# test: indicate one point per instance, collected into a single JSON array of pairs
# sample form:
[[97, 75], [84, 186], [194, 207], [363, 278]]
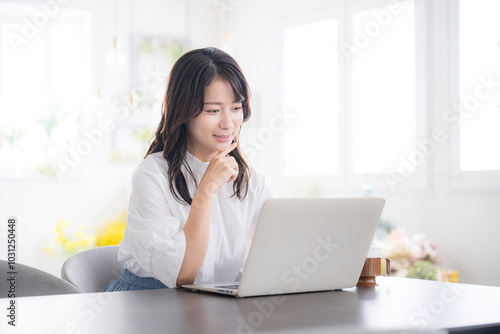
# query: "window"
[[311, 77], [349, 80], [44, 86], [473, 115], [479, 50], [383, 85]]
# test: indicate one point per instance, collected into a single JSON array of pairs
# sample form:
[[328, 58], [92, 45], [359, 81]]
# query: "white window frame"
[[346, 180], [319, 14], [418, 180], [457, 178]]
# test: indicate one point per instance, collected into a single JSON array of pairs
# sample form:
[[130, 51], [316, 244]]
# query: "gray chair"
[[93, 269], [29, 281]]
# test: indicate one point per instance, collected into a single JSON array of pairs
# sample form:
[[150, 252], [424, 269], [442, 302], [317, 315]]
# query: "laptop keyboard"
[[232, 286]]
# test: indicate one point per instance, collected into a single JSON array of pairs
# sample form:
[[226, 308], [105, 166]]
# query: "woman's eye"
[[238, 108], [212, 111]]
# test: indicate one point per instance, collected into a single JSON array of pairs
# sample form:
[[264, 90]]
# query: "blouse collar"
[[196, 164]]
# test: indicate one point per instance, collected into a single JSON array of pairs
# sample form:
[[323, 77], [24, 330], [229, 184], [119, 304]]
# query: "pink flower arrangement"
[[414, 256]]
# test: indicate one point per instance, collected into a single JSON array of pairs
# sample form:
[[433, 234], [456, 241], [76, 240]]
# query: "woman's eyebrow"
[[220, 103]]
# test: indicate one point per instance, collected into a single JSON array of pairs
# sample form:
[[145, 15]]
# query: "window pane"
[[23, 76], [311, 140], [383, 114], [479, 96], [44, 85]]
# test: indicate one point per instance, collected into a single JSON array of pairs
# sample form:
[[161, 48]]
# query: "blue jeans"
[[129, 282]]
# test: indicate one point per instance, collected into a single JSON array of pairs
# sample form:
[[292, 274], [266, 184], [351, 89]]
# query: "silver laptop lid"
[[309, 244]]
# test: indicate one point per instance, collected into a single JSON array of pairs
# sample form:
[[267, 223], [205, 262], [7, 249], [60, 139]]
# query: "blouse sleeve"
[[155, 239]]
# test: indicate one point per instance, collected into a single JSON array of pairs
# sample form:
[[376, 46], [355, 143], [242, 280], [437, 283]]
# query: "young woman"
[[195, 200]]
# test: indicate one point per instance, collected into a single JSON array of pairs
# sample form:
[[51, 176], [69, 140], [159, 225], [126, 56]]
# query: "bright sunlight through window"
[[479, 92], [311, 77], [44, 82], [383, 83]]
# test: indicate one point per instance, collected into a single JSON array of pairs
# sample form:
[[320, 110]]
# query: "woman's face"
[[215, 128]]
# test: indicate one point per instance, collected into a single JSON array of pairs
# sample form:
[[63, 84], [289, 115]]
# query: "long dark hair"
[[184, 100]]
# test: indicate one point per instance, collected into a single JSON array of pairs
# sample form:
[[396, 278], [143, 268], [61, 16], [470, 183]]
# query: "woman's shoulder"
[[258, 188], [154, 165], [256, 176], [257, 181]]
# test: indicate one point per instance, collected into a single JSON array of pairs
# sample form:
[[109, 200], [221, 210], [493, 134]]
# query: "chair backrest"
[[93, 269], [29, 281]]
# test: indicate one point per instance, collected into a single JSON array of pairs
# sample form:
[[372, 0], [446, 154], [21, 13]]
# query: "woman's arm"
[[197, 233], [221, 170]]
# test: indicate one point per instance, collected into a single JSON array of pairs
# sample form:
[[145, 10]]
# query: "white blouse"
[[154, 242]]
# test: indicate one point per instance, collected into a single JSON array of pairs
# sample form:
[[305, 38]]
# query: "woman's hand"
[[222, 169]]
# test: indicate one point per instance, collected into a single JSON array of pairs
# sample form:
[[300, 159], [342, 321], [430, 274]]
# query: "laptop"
[[305, 245]]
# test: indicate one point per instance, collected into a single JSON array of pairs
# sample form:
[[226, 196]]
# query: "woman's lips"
[[223, 138]]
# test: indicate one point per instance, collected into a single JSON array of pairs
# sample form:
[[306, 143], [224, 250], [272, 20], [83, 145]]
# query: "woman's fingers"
[[234, 171], [223, 155], [226, 151], [221, 170]]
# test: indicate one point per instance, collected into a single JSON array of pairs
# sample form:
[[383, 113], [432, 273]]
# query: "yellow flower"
[[449, 275], [49, 251], [454, 276], [71, 243], [113, 232]]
